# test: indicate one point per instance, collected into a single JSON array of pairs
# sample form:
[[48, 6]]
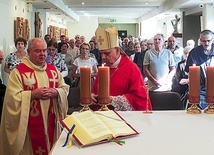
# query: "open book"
[[98, 126]]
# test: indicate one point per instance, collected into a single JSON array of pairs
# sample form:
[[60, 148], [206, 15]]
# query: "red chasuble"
[[36, 124], [127, 80]]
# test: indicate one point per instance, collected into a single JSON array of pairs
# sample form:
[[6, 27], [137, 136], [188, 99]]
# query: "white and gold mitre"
[[108, 38]]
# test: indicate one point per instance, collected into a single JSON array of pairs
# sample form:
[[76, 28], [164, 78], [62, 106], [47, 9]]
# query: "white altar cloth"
[[161, 133]]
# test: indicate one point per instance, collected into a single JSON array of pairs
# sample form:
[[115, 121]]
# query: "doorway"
[[122, 34]]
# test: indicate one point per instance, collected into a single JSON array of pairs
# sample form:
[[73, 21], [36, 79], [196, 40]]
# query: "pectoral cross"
[[100, 40], [40, 151], [54, 80]]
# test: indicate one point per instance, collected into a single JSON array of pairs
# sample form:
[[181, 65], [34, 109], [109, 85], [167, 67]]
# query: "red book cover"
[[110, 124]]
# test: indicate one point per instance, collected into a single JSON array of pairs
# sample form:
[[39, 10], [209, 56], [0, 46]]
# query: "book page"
[[117, 126], [89, 128]]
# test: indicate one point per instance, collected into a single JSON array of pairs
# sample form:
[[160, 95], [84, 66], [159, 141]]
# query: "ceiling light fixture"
[[83, 3], [146, 3]]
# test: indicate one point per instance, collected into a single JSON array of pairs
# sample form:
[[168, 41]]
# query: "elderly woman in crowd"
[[180, 80], [15, 58], [56, 59]]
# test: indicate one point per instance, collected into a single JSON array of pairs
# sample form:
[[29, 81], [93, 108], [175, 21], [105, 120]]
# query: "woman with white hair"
[[191, 43], [180, 80]]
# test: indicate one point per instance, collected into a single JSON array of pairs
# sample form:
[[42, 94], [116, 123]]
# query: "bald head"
[[37, 51]]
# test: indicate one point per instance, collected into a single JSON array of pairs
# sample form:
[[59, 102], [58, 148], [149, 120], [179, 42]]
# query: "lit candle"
[[210, 84], [85, 84], [103, 92], [194, 84]]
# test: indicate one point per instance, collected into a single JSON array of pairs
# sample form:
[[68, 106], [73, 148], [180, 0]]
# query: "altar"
[[161, 133]]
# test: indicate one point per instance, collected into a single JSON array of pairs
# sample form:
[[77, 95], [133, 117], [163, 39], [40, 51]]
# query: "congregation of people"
[[41, 76], [165, 65], [161, 61]]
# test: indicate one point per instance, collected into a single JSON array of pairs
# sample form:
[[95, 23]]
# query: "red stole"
[[36, 124]]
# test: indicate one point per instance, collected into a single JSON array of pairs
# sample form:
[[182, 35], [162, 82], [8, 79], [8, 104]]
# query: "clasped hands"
[[44, 93]]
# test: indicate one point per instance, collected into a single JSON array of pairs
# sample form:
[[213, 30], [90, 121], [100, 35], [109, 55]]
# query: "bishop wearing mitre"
[[127, 88]]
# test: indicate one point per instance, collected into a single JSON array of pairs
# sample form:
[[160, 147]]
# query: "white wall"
[[86, 26], [151, 27], [148, 29], [55, 21], [208, 18], [9, 10]]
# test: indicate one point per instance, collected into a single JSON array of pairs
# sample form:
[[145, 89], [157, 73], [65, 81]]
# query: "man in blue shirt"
[[202, 56]]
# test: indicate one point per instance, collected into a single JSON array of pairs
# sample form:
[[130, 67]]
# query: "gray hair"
[[32, 40], [206, 32], [160, 34]]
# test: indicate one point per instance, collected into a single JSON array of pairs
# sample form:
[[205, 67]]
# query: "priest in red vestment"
[[35, 100], [127, 88]]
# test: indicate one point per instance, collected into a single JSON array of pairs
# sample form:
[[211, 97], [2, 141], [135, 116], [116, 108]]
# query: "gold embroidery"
[[29, 80], [54, 80], [34, 111], [40, 150], [100, 40]]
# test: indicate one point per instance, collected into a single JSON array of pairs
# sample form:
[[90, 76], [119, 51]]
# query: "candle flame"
[[103, 64], [194, 65]]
